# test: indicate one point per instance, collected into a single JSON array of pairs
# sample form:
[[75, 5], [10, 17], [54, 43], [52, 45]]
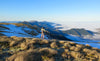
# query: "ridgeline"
[[35, 49]]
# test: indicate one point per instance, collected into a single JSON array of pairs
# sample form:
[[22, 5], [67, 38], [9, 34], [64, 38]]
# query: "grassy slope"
[[53, 50]]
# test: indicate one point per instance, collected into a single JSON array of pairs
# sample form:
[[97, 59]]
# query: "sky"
[[60, 11]]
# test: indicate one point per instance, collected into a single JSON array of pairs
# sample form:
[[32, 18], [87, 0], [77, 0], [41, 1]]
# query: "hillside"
[[35, 49], [83, 33], [79, 32], [30, 29]]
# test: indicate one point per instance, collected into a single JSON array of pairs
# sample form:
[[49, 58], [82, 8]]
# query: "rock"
[[86, 50], [77, 49], [0, 49], [64, 55], [5, 39], [25, 56], [32, 42], [80, 46], [61, 50], [28, 39], [66, 50], [87, 45], [53, 40], [37, 39], [53, 45], [4, 44], [46, 58], [72, 48], [13, 43], [95, 48], [1, 59], [65, 47], [93, 52], [13, 37], [33, 49], [45, 42], [51, 59], [76, 54], [24, 45], [72, 43], [48, 51], [18, 38], [66, 44], [62, 42]]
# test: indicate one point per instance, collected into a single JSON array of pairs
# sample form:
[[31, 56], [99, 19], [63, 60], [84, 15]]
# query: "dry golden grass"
[[5, 23], [21, 24]]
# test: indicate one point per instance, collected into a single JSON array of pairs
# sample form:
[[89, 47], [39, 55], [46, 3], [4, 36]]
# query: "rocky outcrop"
[[28, 55], [35, 49]]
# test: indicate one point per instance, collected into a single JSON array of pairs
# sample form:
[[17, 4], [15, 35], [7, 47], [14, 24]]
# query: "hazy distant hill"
[[79, 32]]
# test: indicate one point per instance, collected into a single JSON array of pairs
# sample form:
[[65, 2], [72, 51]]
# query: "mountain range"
[[30, 29]]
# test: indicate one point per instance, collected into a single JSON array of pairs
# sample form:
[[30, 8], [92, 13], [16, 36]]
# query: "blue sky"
[[50, 10]]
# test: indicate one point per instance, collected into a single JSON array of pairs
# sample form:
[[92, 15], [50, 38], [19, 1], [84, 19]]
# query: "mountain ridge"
[[30, 29]]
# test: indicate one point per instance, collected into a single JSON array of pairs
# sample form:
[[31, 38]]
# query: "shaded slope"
[[31, 29], [79, 32]]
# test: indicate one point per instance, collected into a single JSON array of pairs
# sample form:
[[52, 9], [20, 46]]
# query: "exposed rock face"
[[48, 51], [79, 32], [24, 45], [13, 43], [25, 56], [34, 49], [18, 38], [53, 45]]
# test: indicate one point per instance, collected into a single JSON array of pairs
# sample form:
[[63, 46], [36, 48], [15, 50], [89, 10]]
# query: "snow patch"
[[93, 43], [16, 31]]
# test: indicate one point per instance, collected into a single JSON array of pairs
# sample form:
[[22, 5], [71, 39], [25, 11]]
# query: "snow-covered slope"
[[14, 30], [29, 30], [32, 29], [93, 43]]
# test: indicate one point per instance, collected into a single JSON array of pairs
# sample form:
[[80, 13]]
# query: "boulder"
[[72, 43], [66, 44], [78, 49], [25, 56], [24, 45], [53, 45], [37, 39], [1, 59], [76, 54], [13, 43], [28, 39], [86, 50], [87, 45], [66, 50], [72, 48], [18, 38], [61, 50], [48, 51], [5, 39], [51, 59], [45, 42], [62, 42]]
